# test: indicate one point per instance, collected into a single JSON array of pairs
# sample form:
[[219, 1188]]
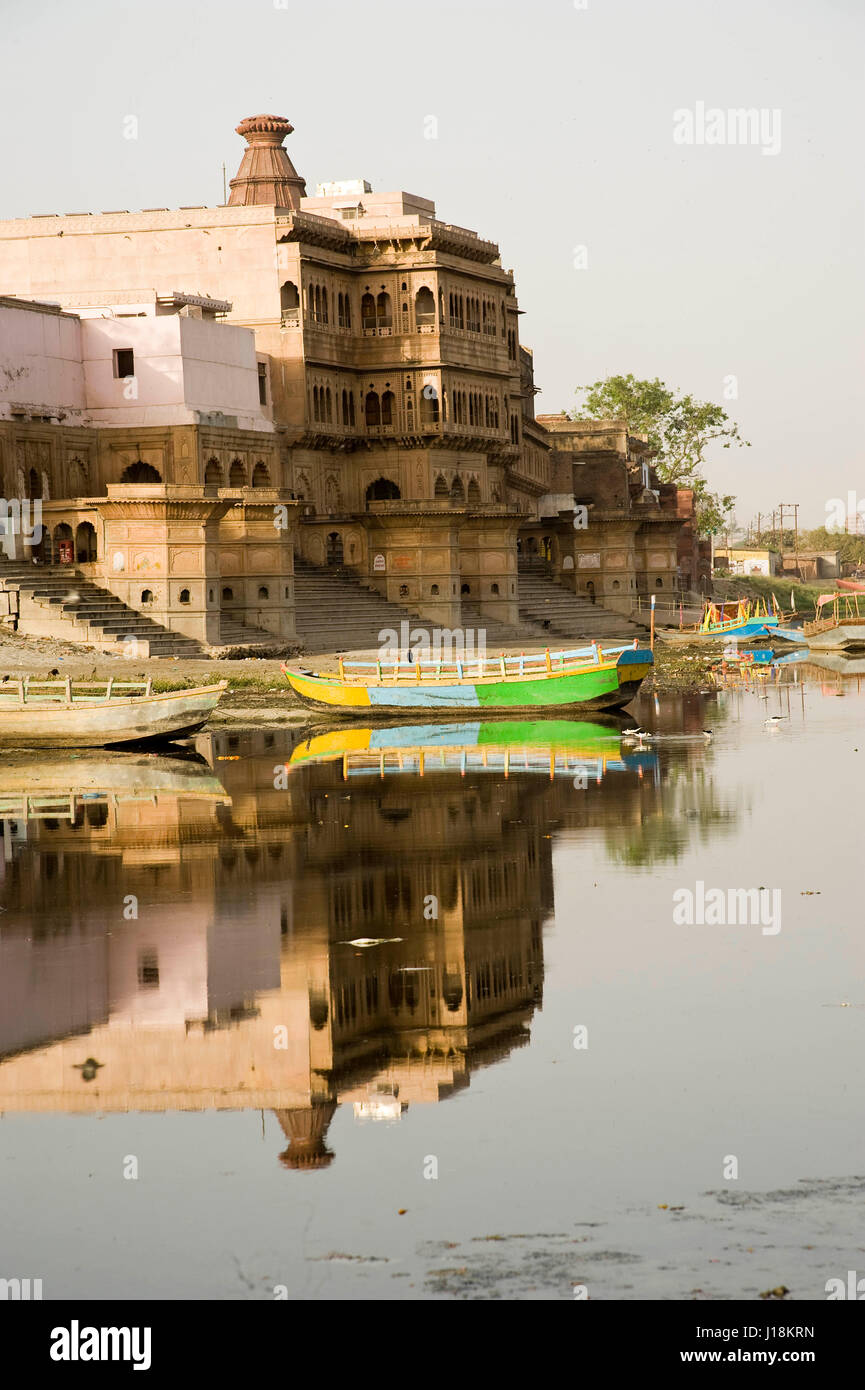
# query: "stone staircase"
[[334, 612], [58, 601], [558, 614]]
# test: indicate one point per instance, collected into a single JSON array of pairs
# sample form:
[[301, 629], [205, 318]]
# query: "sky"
[[732, 270]]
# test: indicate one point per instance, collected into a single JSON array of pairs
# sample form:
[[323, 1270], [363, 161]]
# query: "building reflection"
[[224, 934]]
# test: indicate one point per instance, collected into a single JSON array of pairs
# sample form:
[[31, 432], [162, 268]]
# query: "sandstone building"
[[393, 420]]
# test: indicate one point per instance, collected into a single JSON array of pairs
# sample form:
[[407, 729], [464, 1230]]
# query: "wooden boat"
[[587, 678], [732, 620], [550, 748], [87, 714], [843, 629]]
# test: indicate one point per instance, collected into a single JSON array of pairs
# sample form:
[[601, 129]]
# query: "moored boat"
[[841, 629], [730, 620], [87, 714], [588, 678]]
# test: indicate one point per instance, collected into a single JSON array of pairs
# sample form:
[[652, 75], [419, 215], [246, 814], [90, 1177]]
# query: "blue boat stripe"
[[425, 697]]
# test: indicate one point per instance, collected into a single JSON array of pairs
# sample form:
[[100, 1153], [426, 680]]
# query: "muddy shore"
[[257, 684]]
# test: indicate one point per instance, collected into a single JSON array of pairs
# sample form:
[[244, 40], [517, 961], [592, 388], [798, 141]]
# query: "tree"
[[679, 430]]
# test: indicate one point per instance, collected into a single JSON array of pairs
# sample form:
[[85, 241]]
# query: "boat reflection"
[[223, 934], [552, 747]]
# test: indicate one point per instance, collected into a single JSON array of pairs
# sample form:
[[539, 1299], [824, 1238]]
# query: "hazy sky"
[[555, 131]]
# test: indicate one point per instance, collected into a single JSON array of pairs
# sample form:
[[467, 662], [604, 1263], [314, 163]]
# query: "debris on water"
[[367, 941], [781, 1292]]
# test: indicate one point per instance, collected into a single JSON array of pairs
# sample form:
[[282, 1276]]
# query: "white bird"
[[775, 718]]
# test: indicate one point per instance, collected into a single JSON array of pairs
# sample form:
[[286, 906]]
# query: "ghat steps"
[[58, 601], [561, 615]]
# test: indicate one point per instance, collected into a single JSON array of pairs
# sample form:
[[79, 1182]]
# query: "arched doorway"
[[213, 474], [63, 549], [140, 472], [85, 544], [382, 490], [260, 476], [334, 551]]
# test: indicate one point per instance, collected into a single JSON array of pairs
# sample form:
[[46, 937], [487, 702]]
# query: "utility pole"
[[794, 508], [224, 189]]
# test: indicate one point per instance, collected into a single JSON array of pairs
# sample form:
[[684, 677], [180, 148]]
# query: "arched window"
[[474, 492], [351, 419], [429, 405], [384, 313], [424, 307], [213, 474], [184, 596], [237, 475], [457, 490], [434, 588], [77, 478], [494, 589], [34, 485], [367, 313], [325, 318], [289, 300], [441, 487], [383, 490], [146, 597], [140, 472], [373, 409], [260, 476], [387, 403], [85, 544], [227, 595], [328, 406], [334, 550], [264, 593]]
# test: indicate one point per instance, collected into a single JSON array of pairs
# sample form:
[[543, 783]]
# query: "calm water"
[[323, 998]]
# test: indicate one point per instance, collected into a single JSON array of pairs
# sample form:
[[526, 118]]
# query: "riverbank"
[[257, 685]]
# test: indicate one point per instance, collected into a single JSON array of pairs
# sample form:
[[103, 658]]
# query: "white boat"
[[87, 714], [843, 631]]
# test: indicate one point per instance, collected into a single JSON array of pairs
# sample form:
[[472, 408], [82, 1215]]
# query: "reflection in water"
[[353, 919]]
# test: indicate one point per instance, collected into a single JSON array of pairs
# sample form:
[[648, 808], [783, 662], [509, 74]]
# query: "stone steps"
[[77, 610], [335, 612], [564, 615]]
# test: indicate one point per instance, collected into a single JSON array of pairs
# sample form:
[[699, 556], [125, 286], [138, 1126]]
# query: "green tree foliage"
[[679, 430]]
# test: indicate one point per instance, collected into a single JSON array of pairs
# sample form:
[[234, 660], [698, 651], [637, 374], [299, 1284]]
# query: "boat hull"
[[844, 638], [106, 724], [606, 686], [742, 632]]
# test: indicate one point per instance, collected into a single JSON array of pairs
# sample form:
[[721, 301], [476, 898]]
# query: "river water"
[[442, 1012]]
